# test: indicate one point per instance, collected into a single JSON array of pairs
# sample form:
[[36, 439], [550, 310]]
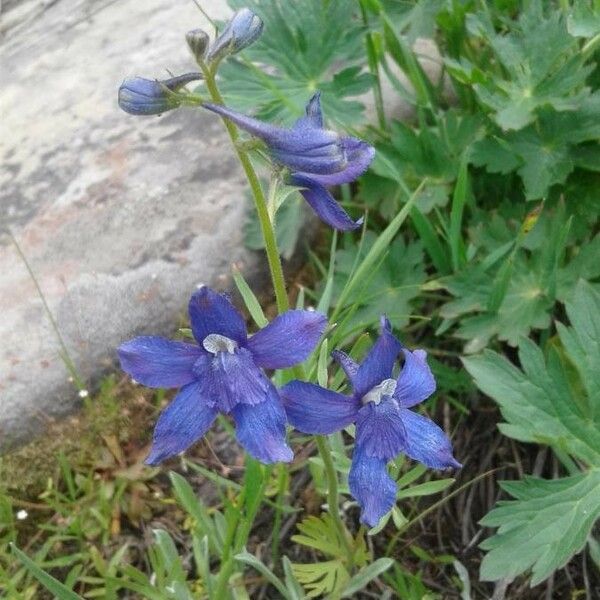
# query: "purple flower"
[[222, 373], [317, 157], [243, 29], [139, 96], [385, 426]]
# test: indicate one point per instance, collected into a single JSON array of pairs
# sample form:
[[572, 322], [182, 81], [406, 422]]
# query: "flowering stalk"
[[260, 202], [281, 297]]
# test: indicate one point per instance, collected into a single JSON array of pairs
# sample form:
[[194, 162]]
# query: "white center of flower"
[[215, 343], [386, 388]]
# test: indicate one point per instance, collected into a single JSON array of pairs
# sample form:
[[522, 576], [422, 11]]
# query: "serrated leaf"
[[542, 63], [303, 44], [547, 523]]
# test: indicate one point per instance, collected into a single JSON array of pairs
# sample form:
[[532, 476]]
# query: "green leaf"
[[425, 489], [537, 403], [194, 506], [365, 576], [52, 585], [582, 341], [250, 300], [321, 534], [251, 560], [321, 579], [553, 399], [547, 523], [542, 63], [293, 586], [308, 46]]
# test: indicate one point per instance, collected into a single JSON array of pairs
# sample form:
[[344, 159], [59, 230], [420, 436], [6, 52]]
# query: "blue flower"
[[243, 29], [222, 374], [139, 96], [317, 157], [385, 425]]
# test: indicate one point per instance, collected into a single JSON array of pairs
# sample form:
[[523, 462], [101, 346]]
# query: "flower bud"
[[139, 96], [243, 29], [197, 40]]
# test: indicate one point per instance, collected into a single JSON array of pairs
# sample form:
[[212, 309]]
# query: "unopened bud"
[[243, 29], [197, 40], [139, 96]]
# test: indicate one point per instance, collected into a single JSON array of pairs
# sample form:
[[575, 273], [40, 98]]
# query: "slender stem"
[[282, 485], [227, 561], [260, 201], [333, 496], [64, 353]]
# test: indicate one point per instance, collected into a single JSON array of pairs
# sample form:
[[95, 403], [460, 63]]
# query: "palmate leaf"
[[543, 65], [329, 577], [306, 46], [546, 153], [541, 272], [543, 528], [322, 579], [554, 400]]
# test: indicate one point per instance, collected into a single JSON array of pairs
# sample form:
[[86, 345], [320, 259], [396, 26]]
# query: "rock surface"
[[119, 217]]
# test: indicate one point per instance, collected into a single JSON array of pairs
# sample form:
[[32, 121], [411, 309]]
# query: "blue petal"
[[416, 382], [426, 442], [379, 429], [297, 141], [313, 409], [349, 366], [288, 339], [158, 362], [371, 486], [321, 159], [184, 421], [260, 429], [379, 362], [323, 203], [231, 379], [211, 312], [314, 114], [359, 155]]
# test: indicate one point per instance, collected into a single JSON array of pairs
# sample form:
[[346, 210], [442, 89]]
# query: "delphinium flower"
[[140, 96], [317, 157], [222, 373], [385, 426]]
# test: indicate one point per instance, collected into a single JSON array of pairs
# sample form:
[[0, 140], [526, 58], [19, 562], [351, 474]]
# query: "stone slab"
[[119, 217]]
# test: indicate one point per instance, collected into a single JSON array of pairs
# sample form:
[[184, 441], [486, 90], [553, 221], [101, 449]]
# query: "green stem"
[[227, 561], [282, 485], [333, 496], [260, 201], [373, 68]]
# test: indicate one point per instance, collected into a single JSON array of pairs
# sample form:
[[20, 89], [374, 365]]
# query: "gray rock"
[[119, 217]]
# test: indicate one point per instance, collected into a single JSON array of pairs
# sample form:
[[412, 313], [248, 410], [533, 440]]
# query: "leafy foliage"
[[553, 400], [329, 577], [309, 46]]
